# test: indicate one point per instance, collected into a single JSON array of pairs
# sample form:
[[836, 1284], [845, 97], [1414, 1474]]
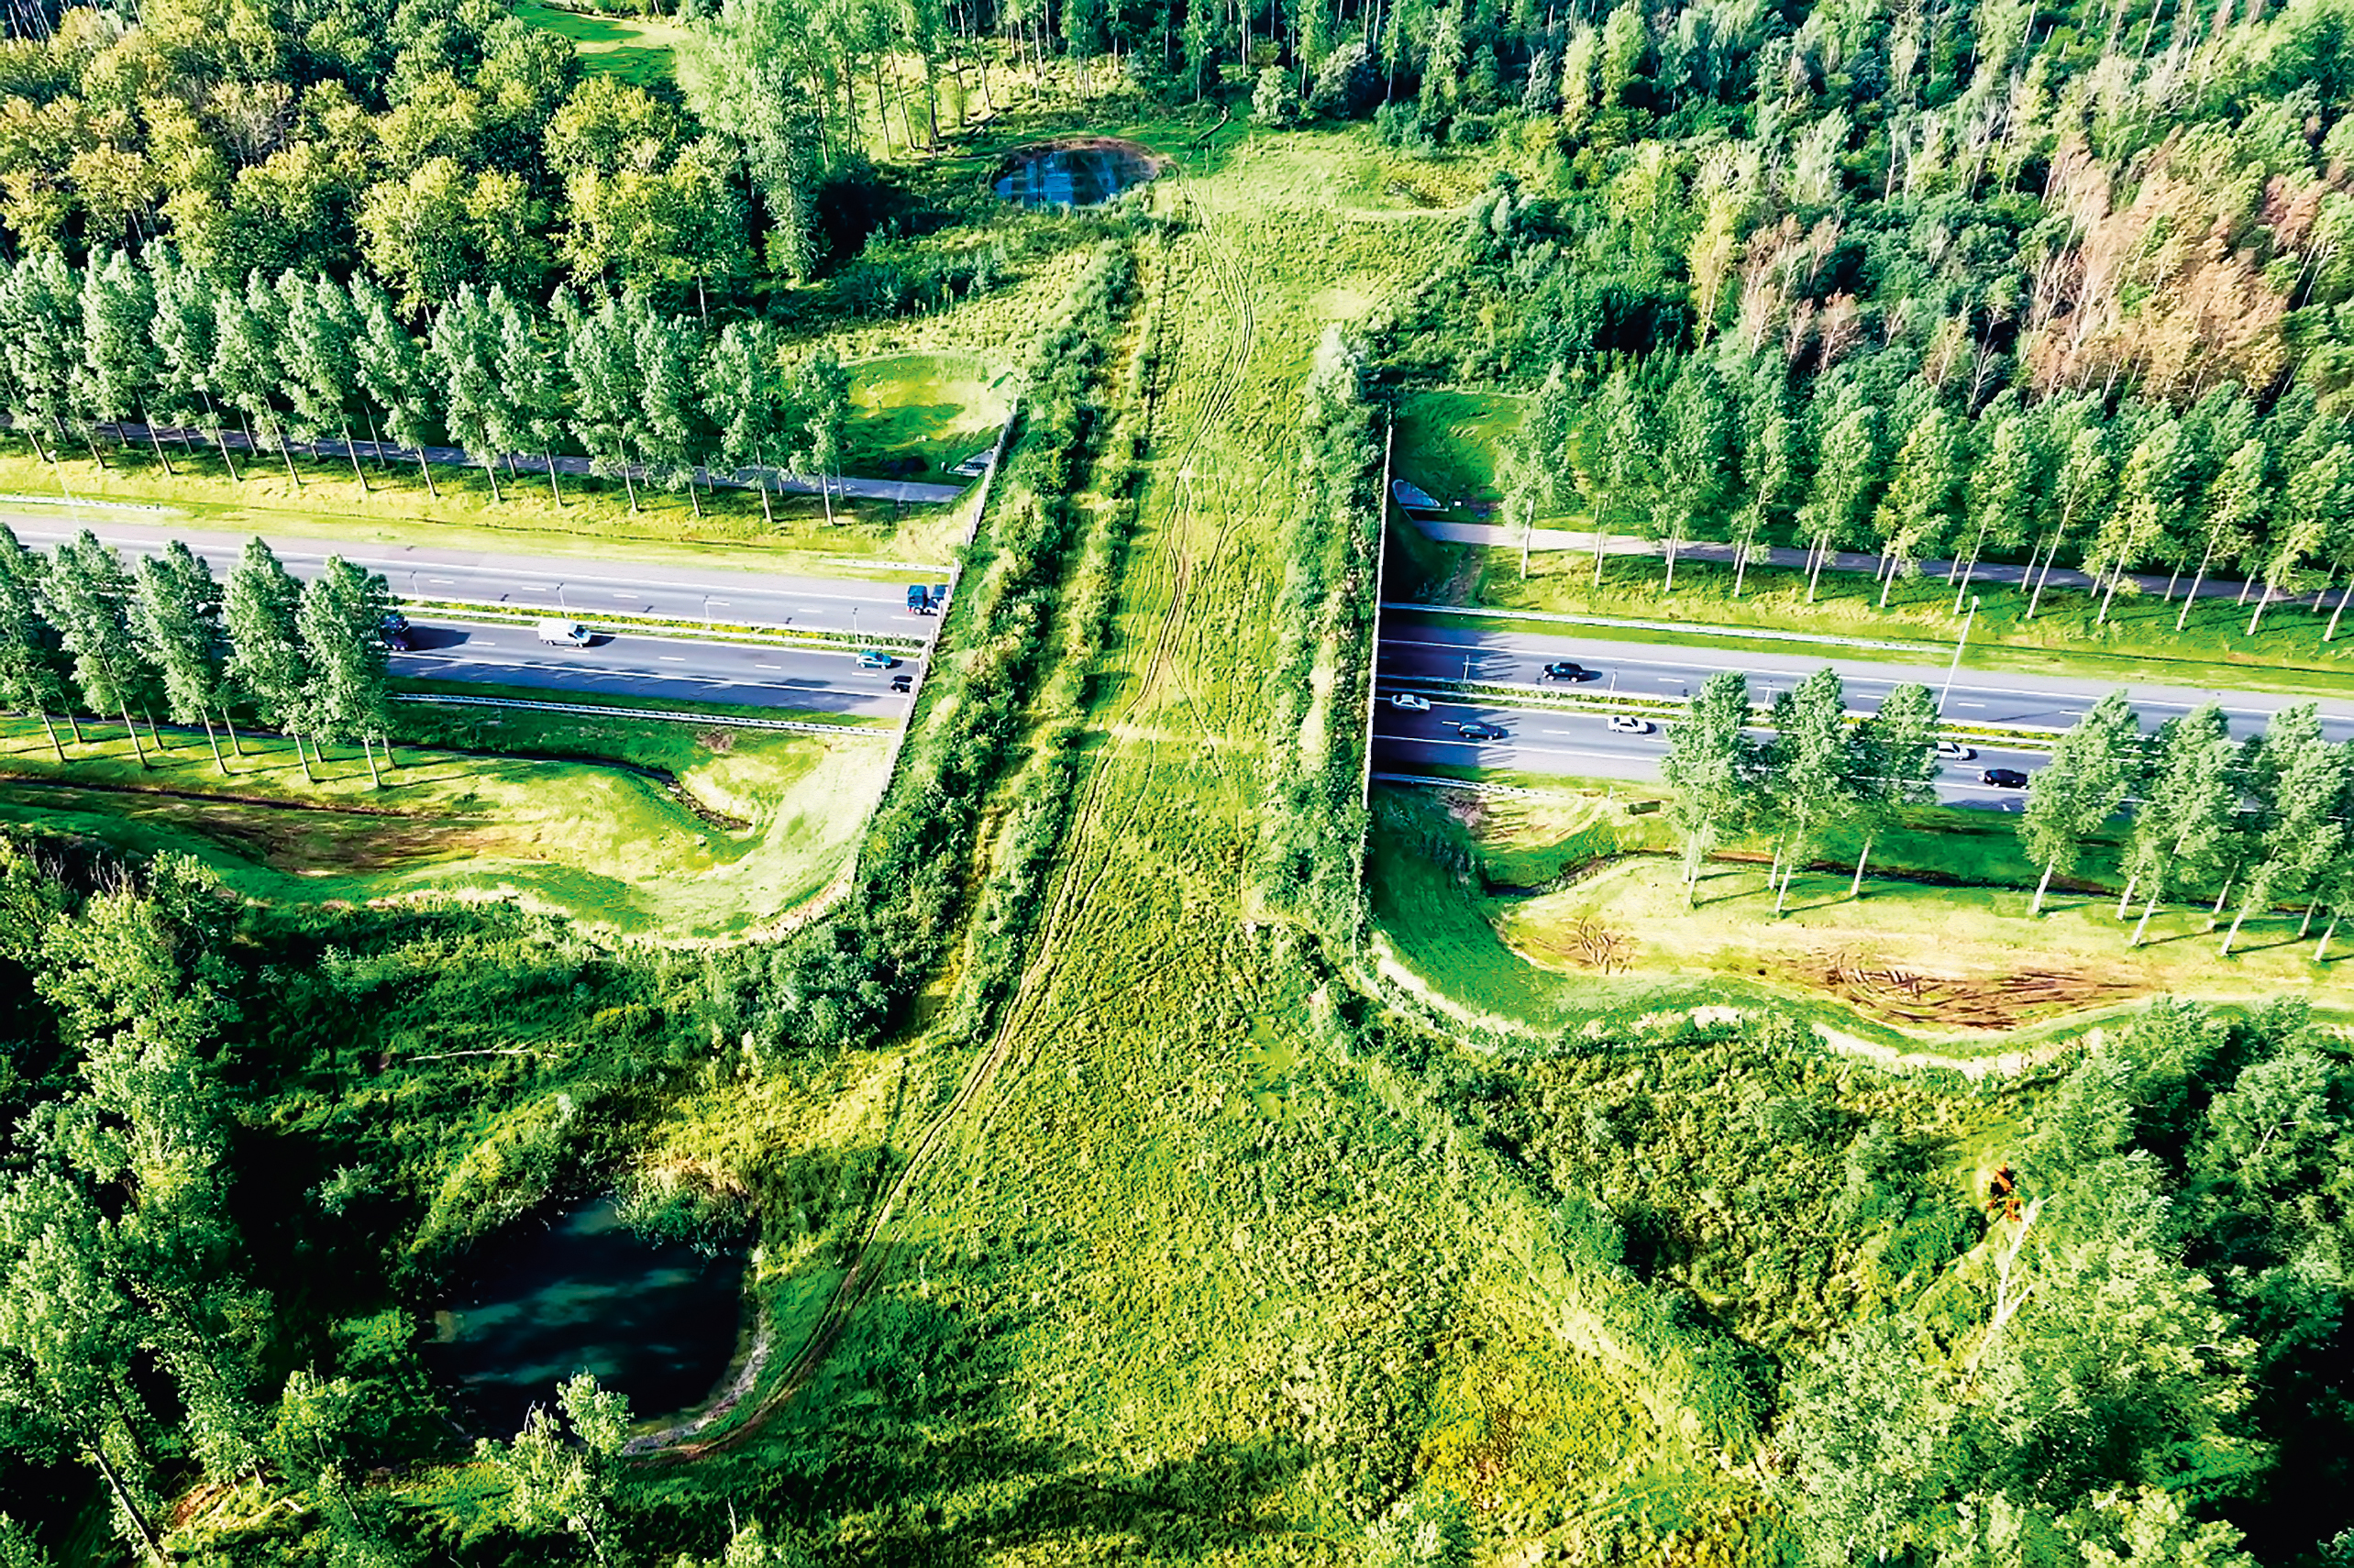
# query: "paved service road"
[[1415, 650], [584, 586], [652, 669]]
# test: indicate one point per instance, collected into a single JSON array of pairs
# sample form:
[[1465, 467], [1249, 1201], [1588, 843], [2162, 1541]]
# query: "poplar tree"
[[2149, 502], [2236, 500], [40, 318], [251, 373], [2092, 770], [819, 391], [87, 591], [32, 673], [1917, 513], [1894, 765], [669, 358], [740, 399], [2299, 780], [393, 372], [322, 357], [464, 346], [2185, 810], [1692, 459], [1769, 469], [1809, 770], [531, 376], [2312, 504], [1707, 766], [1847, 469], [339, 618], [186, 335], [1617, 475], [2079, 490], [175, 618], [601, 360], [121, 365], [2001, 488], [267, 662]]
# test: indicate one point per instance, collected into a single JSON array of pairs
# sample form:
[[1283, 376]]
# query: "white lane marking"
[[775, 667], [1970, 704], [671, 659], [715, 602], [441, 581]]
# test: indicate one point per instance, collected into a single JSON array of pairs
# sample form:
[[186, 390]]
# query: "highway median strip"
[[491, 613], [674, 715]]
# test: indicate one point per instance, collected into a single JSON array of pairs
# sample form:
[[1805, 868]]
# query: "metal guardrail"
[[675, 716]]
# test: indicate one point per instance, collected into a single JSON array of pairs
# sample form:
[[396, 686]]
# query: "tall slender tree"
[[2093, 769], [87, 591], [1709, 767], [175, 619], [2299, 781], [32, 668], [340, 620], [464, 346], [321, 357], [2236, 500], [267, 660], [393, 372], [188, 338], [2179, 829], [531, 374], [1894, 765], [121, 367], [740, 399], [1809, 770]]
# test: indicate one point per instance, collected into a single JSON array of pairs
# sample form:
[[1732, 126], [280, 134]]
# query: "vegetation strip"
[[674, 715]]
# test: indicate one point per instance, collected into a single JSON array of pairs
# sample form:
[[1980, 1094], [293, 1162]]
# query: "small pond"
[[655, 1321], [1074, 176]]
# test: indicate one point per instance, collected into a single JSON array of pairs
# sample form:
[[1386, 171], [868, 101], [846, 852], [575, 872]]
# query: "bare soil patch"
[[1903, 994]]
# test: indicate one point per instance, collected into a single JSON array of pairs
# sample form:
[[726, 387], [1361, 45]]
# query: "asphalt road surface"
[[653, 668], [583, 586], [1541, 740], [1582, 745]]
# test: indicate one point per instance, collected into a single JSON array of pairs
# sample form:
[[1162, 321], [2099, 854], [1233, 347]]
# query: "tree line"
[[81, 632], [303, 356], [1679, 451], [2265, 818]]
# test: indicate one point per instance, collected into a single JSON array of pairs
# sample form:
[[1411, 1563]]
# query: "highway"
[[1416, 650], [584, 586], [654, 669]]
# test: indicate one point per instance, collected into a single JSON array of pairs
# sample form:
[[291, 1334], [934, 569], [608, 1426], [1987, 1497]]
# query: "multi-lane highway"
[[1418, 650], [584, 586], [822, 680]]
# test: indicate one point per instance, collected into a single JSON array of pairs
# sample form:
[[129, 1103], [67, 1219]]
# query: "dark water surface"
[[1074, 176], [656, 1321]]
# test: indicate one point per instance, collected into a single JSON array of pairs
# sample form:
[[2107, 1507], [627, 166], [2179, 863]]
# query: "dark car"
[[1479, 732], [1563, 669], [396, 632], [903, 683], [2003, 779]]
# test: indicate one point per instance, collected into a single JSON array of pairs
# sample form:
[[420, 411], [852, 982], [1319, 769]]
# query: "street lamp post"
[[1954, 668]]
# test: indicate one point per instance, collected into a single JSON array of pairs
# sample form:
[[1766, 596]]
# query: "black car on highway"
[[1564, 670], [2003, 779], [396, 632], [1479, 731]]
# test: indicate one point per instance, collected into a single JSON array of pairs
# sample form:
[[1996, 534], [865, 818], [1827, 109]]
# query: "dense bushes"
[[843, 979]]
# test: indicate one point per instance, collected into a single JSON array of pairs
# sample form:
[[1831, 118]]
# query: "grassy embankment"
[[638, 50], [906, 409], [672, 828], [1448, 442], [1532, 910]]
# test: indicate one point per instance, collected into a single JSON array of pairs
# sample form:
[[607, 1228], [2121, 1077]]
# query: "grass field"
[[1529, 910], [1448, 441], [636, 48], [681, 829], [928, 409], [594, 519]]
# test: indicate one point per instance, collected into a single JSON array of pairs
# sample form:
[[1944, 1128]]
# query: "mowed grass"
[[1526, 910], [917, 416], [755, 823], [638, 50], [459, 512], [1448, 441]]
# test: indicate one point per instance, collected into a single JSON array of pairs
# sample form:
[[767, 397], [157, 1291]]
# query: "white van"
[[563, 633]]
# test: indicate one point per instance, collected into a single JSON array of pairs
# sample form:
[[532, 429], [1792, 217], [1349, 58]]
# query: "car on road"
[[919, 600], [2003, 779], [1564, 670], [396, 631], [562, 634], [1411, 704], [1625, 724], [874, 658], [1954, 751], [903, 683], [1478, 732]]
